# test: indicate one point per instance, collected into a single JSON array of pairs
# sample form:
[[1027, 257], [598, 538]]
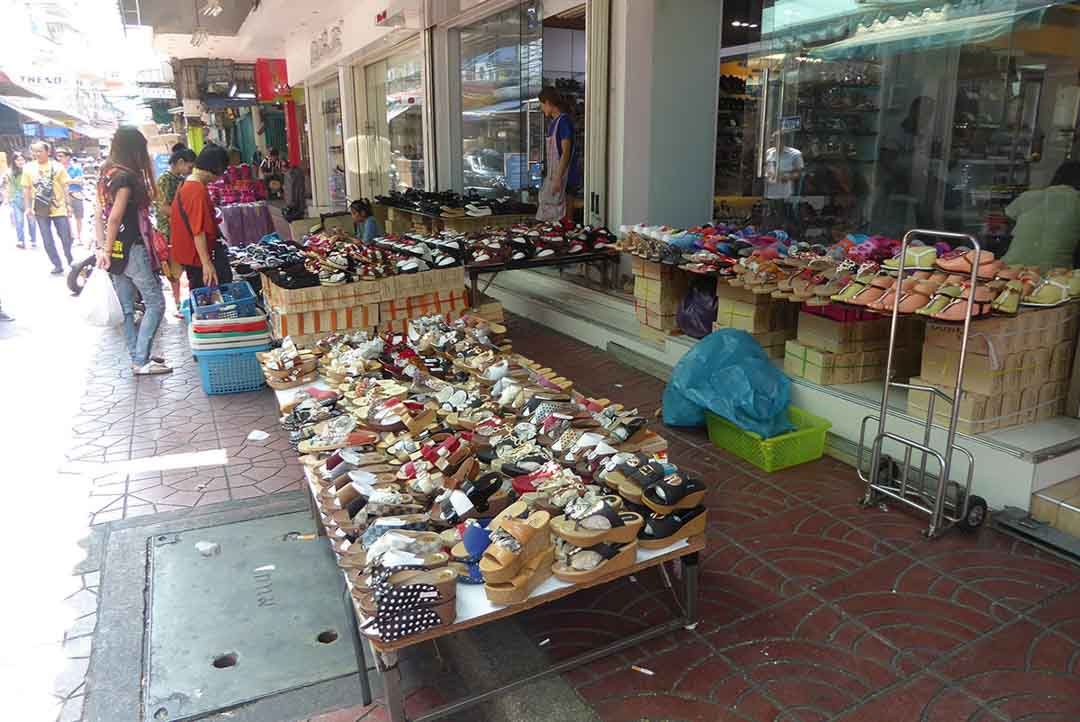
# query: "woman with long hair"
[[13, 184], [125, 193]]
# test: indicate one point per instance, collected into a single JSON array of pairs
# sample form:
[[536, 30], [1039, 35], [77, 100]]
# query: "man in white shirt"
[[783, 170]]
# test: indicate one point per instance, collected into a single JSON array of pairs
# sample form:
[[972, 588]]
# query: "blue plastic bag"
[[729, 374]]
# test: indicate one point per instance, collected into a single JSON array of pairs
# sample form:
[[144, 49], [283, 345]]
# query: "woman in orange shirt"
[[196, 243]]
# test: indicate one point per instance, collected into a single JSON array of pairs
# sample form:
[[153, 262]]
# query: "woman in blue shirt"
[[367, 228], [560, 168]]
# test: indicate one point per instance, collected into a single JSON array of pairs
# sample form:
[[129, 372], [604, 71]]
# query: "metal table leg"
[[395, 701], [474, 281], [690, 578], [361, 657]]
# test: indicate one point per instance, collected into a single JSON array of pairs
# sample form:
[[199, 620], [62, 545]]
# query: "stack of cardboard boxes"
[[1059, 506], [770, 321], [387, 304], [1016, 370], [830, 352], [658, 290]]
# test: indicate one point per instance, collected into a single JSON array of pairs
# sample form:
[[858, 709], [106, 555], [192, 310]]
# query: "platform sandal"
[[663, 530], [677, 490], [597, 523], [534, 572], [583, 565], [512, 542]]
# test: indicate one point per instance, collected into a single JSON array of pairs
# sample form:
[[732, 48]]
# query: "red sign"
[[271, 80]]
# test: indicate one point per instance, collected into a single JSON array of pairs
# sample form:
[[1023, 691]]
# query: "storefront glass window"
[[502, 126], [875, 119], [392, 151], [335, 144]]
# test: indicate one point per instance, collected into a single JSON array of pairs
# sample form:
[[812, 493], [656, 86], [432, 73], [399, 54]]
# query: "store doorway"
[[565, 60]]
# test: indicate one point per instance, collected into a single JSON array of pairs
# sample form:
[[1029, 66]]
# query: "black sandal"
[[663, 530], [677, 490]]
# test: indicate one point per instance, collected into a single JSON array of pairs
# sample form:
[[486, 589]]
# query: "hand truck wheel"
[[976, 514]]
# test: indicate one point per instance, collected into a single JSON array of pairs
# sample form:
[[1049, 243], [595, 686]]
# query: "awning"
[[39, 107], [91, 132], [953, 24], [10, 88], [794, 25]]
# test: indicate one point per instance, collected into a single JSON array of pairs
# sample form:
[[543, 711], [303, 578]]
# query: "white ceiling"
[[262, 35]]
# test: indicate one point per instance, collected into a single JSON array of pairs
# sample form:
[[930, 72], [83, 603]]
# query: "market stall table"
[[403, 220], [474, 609], [606, 259]]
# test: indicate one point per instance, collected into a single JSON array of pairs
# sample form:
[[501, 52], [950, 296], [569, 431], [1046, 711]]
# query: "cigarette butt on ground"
[[642, 670], [308, 537]]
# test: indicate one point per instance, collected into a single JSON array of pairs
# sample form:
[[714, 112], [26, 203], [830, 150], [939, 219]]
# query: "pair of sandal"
[[643, 480]]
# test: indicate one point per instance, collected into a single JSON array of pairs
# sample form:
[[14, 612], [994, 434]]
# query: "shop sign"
[[168, 93], [219, 71], [327, 44], [791, 123]]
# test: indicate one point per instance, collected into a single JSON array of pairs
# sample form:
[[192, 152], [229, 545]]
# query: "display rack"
[[947, 503]]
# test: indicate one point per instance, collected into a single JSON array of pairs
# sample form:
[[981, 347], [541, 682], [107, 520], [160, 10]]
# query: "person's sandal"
[[534, 572]]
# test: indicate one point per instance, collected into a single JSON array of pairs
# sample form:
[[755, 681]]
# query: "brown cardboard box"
[[323, 323], [820, 367], [640, 310], [755, 318], [1010, 409], [1003, 335], [1061, 359], [842, 337], [1046, 504], [637, 265], [973, 407], [1034, 367], [981, 376], [661, 322], [725, 291], [1050, 396], [652, 269], [1029, 404]]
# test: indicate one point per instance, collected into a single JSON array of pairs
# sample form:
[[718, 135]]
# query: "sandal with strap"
[[677, 490], [584, 565], [597, 523], [629, 476], [390, 627], [662, 530], [534, 572], [513, 541]]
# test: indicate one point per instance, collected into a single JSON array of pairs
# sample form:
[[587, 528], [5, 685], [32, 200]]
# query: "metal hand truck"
[[948, 503]]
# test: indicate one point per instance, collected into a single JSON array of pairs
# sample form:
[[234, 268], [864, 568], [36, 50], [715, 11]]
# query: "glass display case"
[[335, 144], [877, 120], [392, 143], [502, 127]]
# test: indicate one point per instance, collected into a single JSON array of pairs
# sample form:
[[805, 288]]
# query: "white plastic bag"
[[100, 305]]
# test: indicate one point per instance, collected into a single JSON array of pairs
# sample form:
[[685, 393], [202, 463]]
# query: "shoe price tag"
[[399, 558], [460, 502], [364, 489]]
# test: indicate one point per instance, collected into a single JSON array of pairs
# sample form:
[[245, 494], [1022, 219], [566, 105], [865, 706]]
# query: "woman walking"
[[125, 192], [180, 164], [14, 189], [195, 233]]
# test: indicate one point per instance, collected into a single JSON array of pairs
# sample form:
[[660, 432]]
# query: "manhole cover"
[[239, 612]]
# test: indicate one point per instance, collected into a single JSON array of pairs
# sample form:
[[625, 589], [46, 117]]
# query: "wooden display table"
[[474, 609]]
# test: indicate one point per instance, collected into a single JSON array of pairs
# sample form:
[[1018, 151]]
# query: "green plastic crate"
[[804, 444]]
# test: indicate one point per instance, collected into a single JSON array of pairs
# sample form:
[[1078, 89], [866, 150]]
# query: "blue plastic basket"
[[185, 309], [238, 301], [231, 371]]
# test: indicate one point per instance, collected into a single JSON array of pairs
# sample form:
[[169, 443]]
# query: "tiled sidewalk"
[[812, 607], [149, 424]]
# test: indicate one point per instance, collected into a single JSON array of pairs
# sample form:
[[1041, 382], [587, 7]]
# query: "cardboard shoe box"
[[1059, 506], [756, 318], [981, 374]]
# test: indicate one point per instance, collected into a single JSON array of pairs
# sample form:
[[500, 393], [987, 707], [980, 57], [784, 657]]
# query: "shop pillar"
[[292, 133]]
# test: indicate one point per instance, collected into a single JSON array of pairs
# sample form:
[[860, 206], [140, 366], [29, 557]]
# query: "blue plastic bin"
[[238, 301], [231, 371]]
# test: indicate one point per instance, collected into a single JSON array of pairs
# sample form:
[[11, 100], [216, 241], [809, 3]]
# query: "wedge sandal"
[[663, 530], [677, 490], [596, 524]]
